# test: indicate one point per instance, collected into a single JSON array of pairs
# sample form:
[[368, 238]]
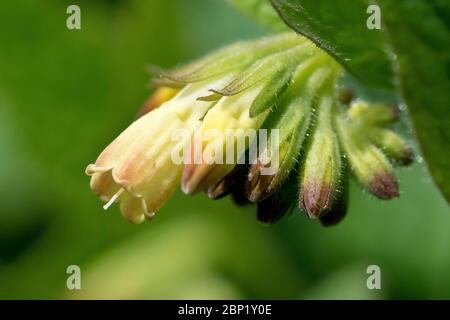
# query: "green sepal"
[[232, 57], [266, 67], [271, 92]]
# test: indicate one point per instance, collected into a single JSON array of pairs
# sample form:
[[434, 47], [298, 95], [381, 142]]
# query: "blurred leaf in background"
[[414, 39], [65, 94]]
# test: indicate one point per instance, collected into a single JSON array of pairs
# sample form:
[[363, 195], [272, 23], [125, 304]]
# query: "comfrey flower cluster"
[[283, 85]]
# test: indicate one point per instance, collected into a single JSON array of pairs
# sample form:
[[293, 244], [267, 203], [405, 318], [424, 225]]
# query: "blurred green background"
[[64, 95]]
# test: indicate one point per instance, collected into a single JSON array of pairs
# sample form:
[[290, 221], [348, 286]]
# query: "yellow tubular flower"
[[136, 168], [161, 95]]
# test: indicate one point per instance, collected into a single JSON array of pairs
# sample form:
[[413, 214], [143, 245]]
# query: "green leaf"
[[419, 33], [261, 11], [419, 37], [339, 27]]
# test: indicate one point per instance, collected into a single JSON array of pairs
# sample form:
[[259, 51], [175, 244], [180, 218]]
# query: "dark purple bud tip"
[[315, 199], [346, 95], [395, 111], [407, 157], [271, 210], [384, 185], [239, 197], [337, 212]]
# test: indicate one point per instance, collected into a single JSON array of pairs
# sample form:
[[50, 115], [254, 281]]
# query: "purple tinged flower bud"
[[262, 182], [257, 186], [372, 114], [239, 197], [395, 147], [368, 163], [322, 166], [340, 205], [272, 209], [292, 120]]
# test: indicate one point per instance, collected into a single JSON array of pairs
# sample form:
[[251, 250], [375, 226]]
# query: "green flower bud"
[[322, 167], [295, 117], [372, 114], [340, 205], [368, 163], [392, 144], [292, 119]]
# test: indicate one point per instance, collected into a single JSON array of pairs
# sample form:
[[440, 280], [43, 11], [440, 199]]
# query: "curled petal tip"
[[134, 209], [92, 169]]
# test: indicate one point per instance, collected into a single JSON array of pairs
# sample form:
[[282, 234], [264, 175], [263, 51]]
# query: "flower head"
[[264, 121]]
